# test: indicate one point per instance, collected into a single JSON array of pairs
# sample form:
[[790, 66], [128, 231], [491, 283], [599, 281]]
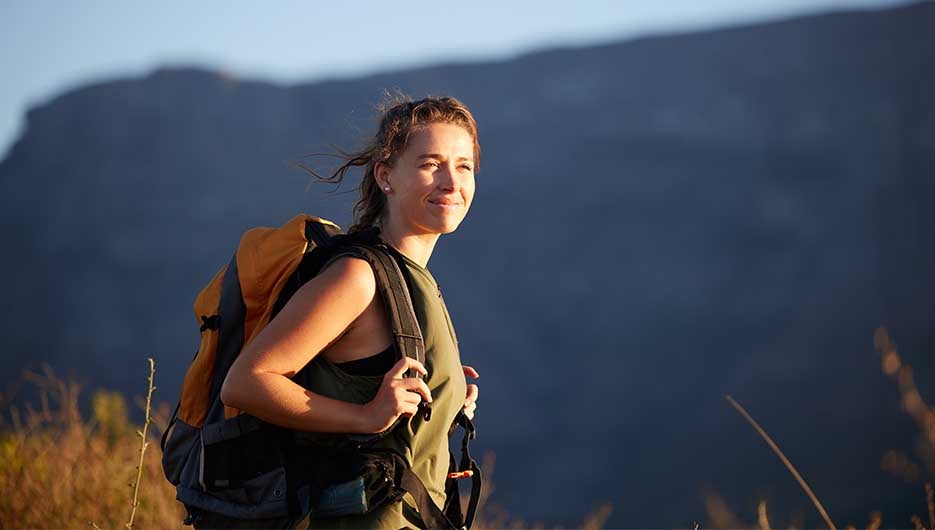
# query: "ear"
[[381, 172]]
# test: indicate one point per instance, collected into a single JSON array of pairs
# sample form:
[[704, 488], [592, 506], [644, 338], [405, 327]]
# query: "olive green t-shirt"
[[423, 444]]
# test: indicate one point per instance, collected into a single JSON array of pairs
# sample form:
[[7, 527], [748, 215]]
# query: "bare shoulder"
[[316, 315], [352, 272], [349, 277]]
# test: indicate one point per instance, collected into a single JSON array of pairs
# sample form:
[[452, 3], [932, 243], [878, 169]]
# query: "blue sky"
[[48, 46]]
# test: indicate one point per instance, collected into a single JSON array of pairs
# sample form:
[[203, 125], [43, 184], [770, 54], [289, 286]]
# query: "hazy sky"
[[50, 46]]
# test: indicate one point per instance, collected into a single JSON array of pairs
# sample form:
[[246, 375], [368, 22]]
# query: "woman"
[[418, 183]]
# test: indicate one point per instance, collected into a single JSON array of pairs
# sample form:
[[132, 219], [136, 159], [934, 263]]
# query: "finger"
[[410, 398], [409, 409], [472, 392], [398, 369], [469, 371], [417, 366], [396, 372], [418, 386]]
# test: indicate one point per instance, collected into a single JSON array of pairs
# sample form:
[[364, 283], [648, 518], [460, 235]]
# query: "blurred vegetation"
[[893, 461], [58, 470], [898, 462]]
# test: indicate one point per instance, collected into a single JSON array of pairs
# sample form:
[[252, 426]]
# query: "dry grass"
[[913, 404], [59, 471], [795, 473], [896, 462]]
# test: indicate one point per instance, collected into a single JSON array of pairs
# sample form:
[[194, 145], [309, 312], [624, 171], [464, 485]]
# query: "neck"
[[417, 247]]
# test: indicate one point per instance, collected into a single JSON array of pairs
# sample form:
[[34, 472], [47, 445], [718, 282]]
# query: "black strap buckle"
[[426, 409]]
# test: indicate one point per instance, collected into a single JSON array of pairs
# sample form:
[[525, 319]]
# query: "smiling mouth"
[[446, 203]]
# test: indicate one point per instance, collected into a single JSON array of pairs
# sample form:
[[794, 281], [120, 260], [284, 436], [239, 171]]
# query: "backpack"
[[231, 469]]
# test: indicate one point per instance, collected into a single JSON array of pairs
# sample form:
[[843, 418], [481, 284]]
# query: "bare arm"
[[317, 314]]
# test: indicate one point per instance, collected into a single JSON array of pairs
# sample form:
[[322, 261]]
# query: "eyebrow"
[[436, 155]]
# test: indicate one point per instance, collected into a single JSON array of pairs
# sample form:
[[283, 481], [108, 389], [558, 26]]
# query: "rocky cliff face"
[[657, 223]]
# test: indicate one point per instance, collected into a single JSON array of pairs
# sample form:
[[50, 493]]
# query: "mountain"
[[658, 222]]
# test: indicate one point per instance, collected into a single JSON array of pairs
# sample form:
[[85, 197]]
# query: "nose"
[[447, 179]]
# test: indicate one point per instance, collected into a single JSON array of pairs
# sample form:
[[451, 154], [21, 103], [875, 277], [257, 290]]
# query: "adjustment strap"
[[452, 492], [475, 495], [467, 468], [431, 515], [468, 464]]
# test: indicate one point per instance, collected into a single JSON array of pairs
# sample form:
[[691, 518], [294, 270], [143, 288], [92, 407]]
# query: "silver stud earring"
[[386, 188]]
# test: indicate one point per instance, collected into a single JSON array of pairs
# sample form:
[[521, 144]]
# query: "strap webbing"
[[431, 515], [468, 463], [398, 304], [453, 508]]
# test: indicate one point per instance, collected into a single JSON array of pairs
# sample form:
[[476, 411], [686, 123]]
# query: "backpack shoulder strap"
[[407, 334], [392, 287]]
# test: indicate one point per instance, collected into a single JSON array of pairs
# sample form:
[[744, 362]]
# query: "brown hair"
[[399, 117]]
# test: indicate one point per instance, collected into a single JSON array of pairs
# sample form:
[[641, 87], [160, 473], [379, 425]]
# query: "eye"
[[467, 167], [429, 163]]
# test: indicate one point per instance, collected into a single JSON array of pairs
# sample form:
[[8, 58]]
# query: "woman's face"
[[432, 181]]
